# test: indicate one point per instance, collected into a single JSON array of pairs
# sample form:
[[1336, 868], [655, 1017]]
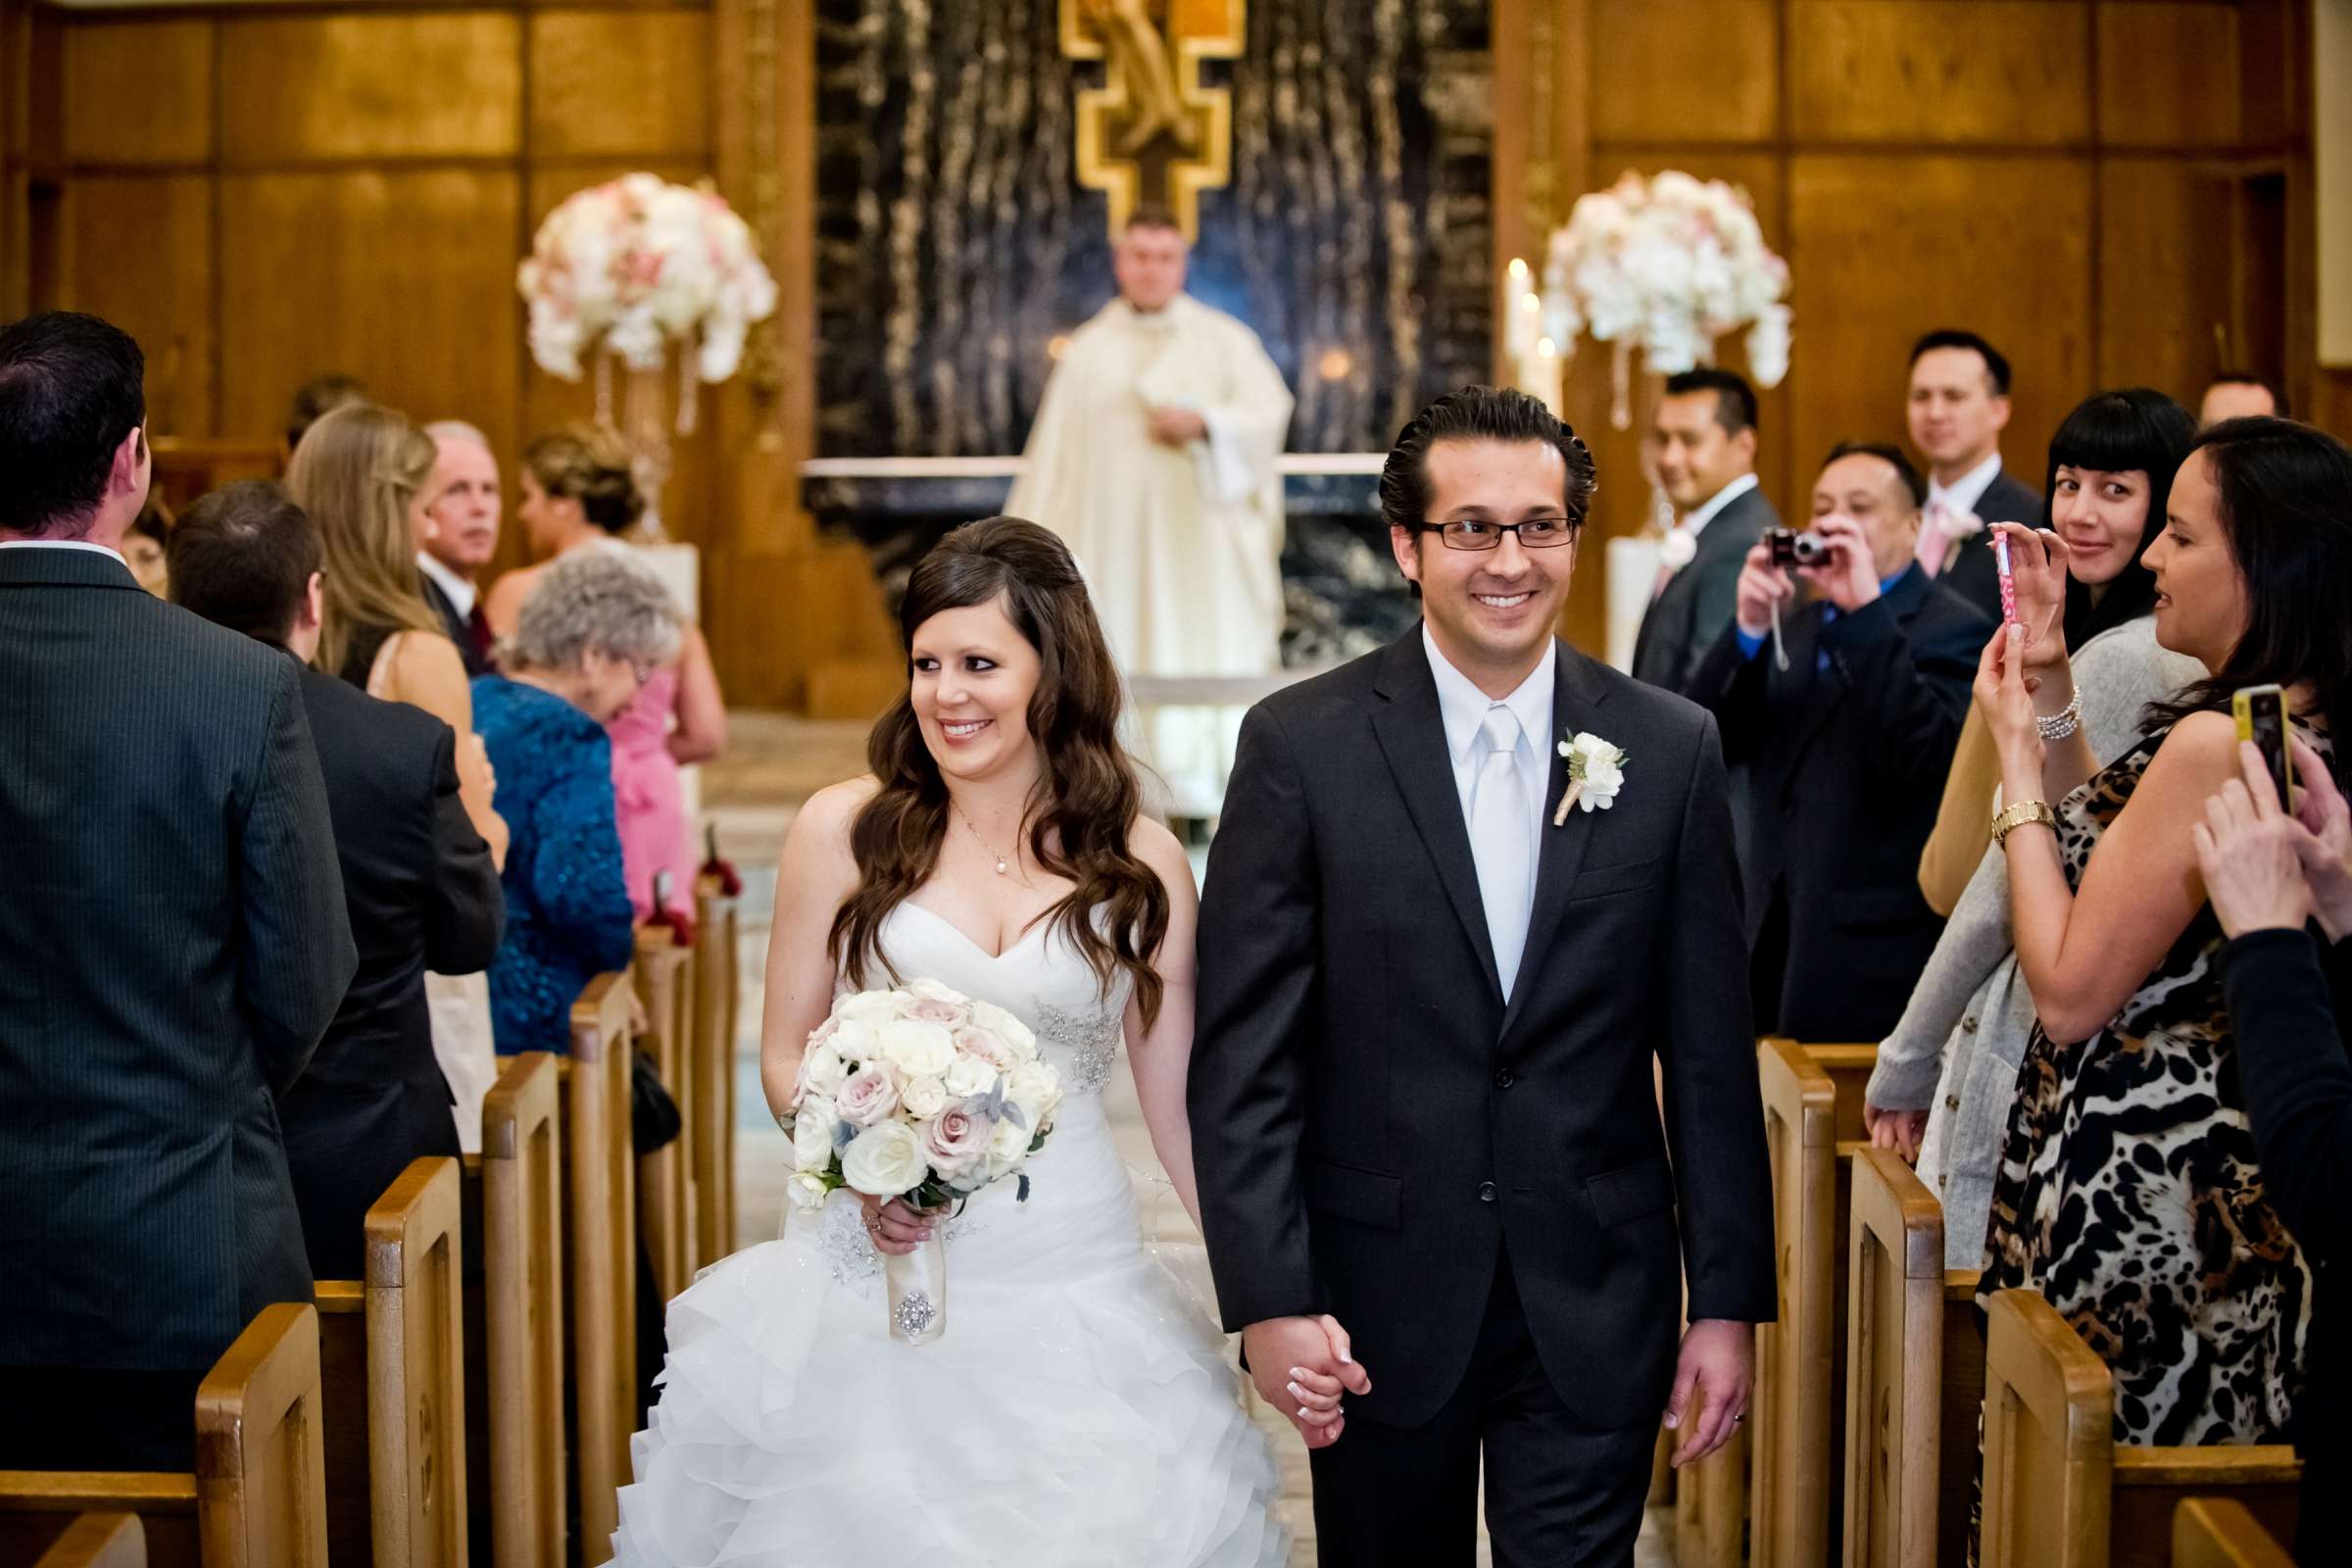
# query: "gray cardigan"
[[1957, 1047]]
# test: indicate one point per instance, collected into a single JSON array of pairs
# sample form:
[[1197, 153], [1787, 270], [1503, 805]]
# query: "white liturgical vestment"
[[1181, 547]]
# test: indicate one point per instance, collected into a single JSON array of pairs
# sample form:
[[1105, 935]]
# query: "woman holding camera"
[[2127, 1193], [1944, 1079]]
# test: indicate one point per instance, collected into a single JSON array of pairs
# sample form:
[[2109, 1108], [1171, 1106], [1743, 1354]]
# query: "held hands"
[[1301, 1366], [896, 1227], [1718, 1365], [2266, 871], [2004, 693], [1176, 427], [1762, 587], [1898, 1130]]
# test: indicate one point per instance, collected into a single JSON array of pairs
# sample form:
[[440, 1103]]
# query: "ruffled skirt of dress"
[[1083, 1420]]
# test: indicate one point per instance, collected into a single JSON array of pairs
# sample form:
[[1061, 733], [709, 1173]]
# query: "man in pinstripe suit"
[[173, 940]]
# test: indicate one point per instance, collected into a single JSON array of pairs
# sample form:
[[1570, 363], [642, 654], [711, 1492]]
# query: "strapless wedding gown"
[[1077, 1410]]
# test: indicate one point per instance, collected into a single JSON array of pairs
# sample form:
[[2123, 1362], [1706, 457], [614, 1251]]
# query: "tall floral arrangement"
[[1666, 266], [638, 265]]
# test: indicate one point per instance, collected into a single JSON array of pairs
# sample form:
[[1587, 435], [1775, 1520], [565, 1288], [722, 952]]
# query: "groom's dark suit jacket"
[[1373, 1127]]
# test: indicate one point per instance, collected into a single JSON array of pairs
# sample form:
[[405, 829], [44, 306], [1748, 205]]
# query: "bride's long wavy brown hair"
[[1087, 793]]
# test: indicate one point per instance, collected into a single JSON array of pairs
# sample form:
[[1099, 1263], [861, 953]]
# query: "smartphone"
[[2000, 562], [2262, 719]]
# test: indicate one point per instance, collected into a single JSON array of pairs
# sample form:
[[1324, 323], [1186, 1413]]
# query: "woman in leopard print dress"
[[2129, 1194]]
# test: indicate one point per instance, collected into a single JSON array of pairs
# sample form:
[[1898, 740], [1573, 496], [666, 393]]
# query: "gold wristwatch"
[[2017, 815]]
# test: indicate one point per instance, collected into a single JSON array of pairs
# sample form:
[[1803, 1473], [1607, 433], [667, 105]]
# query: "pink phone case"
[[2000, 561]]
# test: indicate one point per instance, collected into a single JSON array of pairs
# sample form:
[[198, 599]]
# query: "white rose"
[[1036, 1088], [884, 1161], [867, 1007], [916, 1049], [1016, 1034], [1007, 1149], [934, 991], [856, 1041], [924, 1098], [969, 1075], [822, 1070], [807, 1190], [812, 1136]]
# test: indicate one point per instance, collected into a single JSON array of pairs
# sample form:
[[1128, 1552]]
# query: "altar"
[[1341, 593]]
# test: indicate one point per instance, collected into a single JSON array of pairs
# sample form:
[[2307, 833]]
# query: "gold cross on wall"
[[1152, 134]]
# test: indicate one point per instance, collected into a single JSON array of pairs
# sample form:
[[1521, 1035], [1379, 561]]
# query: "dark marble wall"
[[955, 241]]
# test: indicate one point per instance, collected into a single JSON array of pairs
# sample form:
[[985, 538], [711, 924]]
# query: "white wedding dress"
[[1077, 1410]]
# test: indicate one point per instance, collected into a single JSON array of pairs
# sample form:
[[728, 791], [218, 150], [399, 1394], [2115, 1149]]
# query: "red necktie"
[[478, 627]]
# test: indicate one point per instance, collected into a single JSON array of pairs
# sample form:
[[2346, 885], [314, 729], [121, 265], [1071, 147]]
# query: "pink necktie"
[[1934, 539]]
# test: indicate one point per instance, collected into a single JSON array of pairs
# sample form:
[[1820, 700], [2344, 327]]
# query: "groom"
[[1422, 1096]]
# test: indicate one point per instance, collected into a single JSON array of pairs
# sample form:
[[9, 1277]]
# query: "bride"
[[1075, 1411]]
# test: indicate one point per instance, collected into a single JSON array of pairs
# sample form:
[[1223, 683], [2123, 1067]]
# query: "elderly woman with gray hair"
[[595, 628]]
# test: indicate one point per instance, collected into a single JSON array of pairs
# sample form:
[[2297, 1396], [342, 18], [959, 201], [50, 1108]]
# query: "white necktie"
[[1500, 816]]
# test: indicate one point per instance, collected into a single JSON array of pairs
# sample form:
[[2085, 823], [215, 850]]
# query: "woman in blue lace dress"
[[589, 637]]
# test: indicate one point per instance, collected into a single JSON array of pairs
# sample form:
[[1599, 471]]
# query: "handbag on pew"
[[653, 1117]]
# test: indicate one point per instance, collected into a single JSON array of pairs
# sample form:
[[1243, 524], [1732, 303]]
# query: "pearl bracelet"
[[2059, 725]]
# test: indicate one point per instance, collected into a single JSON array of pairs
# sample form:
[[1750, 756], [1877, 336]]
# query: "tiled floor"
[[773, 764]]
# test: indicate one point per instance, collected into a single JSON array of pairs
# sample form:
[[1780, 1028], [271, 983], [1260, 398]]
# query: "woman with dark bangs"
[[1944, 1078], [1076, 1409]]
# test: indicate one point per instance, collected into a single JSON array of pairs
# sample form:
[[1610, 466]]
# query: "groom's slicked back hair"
[[1478, 413]]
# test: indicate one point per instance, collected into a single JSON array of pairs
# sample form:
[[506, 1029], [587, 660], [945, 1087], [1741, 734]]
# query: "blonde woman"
[[578, 494], [360, 472]]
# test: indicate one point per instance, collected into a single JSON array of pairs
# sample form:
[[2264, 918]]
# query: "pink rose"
[[956, 1138], [865, 1098], [931, 1010], [989, 1046]]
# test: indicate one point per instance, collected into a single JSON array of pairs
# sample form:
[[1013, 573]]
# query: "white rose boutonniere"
[[1595, 773], [1678, 549]]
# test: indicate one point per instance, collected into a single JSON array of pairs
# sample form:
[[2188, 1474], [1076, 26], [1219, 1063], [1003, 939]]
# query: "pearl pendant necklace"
[[1002, 869]]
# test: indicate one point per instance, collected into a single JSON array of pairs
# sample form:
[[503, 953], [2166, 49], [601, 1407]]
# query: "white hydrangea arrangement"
[[1667, 266], [637, 264]]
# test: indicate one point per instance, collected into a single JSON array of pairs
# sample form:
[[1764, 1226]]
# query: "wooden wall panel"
[[576, 57], [138, 251], [405, 279], [426, 84], [2167, 75], [2008, 71], [139, 92], [1695, 71], [1885, 250], [2163, 273]]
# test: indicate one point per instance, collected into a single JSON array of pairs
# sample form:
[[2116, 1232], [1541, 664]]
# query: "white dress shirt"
[[1695, 521], [460, 593], [1463, 708], [1960, 497], [62, 544]]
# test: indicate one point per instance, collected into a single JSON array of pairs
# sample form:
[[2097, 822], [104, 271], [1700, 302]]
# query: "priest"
[[1154, 456]]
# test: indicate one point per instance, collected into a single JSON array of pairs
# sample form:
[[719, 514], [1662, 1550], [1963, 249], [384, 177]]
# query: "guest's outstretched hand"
[[2264, 870]]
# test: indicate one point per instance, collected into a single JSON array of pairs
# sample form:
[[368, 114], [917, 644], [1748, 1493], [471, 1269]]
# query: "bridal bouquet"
[[920, 1094], [1667, 266]]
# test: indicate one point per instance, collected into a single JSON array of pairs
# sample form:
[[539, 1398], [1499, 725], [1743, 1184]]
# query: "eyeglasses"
[[1477, 533]]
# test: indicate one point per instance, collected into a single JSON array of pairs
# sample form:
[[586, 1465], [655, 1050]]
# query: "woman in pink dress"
[[578, 494]]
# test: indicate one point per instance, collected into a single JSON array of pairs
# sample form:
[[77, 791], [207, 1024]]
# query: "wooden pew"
[[1710, 1506], [599, 1253], [99, 1541], [1952, 1422], [257, 1498], [1893, 1364], [1790, 1430], [712, 1114], [2059, 1491], [2219, 1533], [518, 1382], [664, 1206], [391, 1355]]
